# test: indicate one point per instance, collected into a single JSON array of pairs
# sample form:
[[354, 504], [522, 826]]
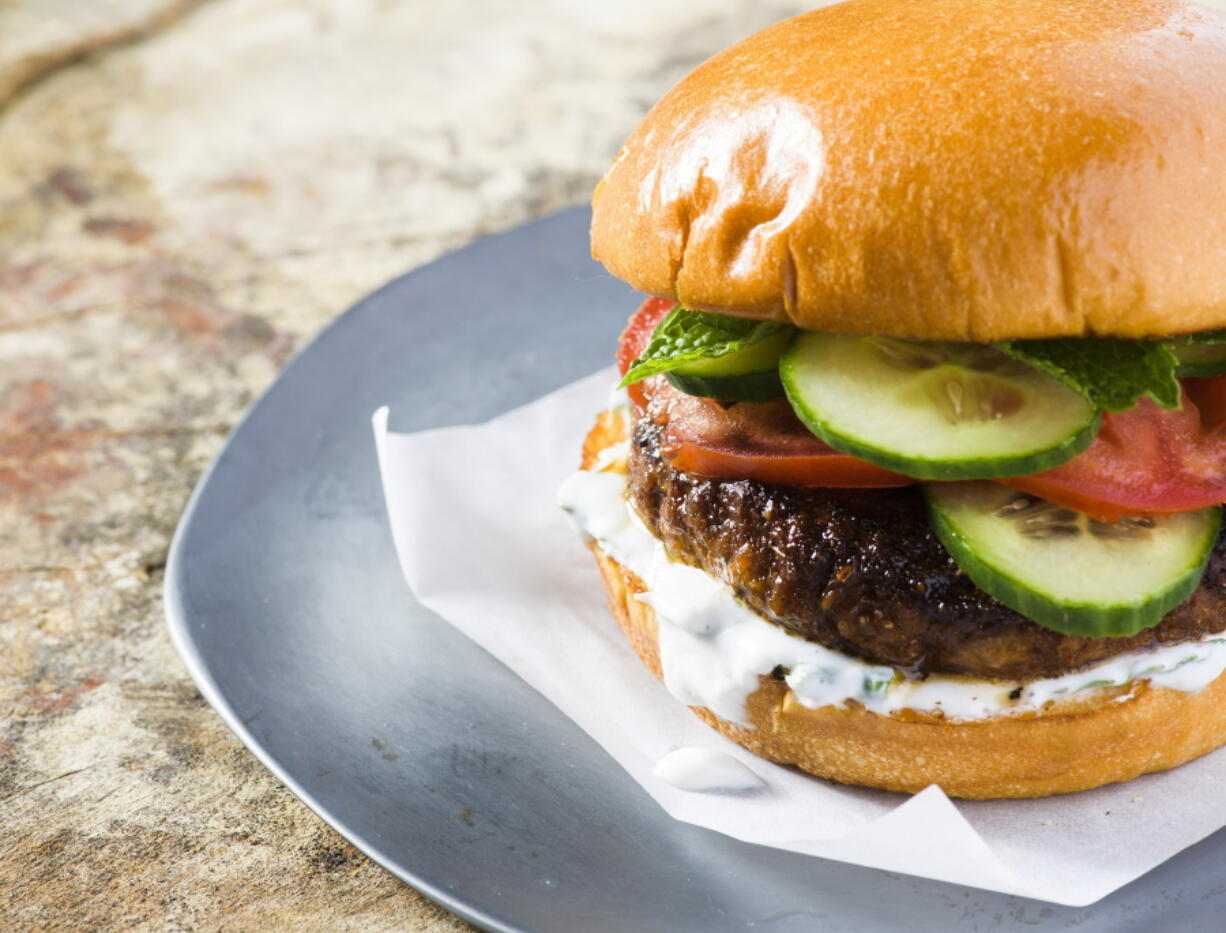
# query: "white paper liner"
[[483, 544]]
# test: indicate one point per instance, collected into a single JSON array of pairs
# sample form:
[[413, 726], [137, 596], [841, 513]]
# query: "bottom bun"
[[1112, 735]]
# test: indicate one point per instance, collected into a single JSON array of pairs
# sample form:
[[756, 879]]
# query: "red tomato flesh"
[[754, 440], [1209, 397], [1146, 461], [634, 340]]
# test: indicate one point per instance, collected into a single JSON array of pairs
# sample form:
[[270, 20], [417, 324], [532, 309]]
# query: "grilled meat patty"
[[861, 572]]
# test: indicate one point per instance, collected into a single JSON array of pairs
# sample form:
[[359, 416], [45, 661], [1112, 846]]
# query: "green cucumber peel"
[[1111, 374], [752, 387], [1211, 337], [687, 336], [859, 402], [1007, 574], [1201, 355]]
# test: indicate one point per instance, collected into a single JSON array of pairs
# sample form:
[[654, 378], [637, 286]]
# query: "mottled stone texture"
[[37, 36], [178, 213]]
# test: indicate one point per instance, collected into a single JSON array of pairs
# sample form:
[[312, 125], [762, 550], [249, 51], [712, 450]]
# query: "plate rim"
[[178, 624]]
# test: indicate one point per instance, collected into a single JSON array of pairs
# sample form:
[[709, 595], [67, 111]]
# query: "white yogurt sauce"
[[713, 648], [705, 770]]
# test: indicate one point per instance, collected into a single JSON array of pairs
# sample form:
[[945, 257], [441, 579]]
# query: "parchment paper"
[[483, 544]]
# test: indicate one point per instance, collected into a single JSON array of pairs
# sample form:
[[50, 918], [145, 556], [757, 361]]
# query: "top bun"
[[947, 169]]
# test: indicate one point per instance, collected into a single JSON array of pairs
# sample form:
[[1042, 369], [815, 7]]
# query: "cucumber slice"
[[1200, 359], [749, 375], [1066, 571], [751, 387], [934, 410]]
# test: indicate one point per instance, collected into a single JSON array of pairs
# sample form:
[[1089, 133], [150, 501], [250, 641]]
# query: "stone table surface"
[[188, 192]]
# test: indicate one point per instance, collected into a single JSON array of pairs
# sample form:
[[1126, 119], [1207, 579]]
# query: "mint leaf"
[[686, 336], [1112, 374]]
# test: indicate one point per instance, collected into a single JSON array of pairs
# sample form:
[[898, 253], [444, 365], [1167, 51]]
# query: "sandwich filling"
[[953, 529], [1075, 484], [714, 647]]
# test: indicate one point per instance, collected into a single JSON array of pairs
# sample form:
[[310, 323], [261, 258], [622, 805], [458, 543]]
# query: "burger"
[[917, 474]]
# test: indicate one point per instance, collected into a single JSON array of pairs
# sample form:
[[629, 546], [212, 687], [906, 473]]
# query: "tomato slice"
[[763, 441], [1209, 397], [1146, 461], [634, 340]]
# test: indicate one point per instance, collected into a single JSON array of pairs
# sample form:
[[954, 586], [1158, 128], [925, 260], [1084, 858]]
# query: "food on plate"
[[918, 474]]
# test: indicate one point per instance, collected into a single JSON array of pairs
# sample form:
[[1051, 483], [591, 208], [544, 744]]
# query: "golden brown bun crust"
[[952, 169], [1084, 743]]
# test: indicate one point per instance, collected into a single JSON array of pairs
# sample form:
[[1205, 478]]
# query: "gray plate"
[[287, 606]]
